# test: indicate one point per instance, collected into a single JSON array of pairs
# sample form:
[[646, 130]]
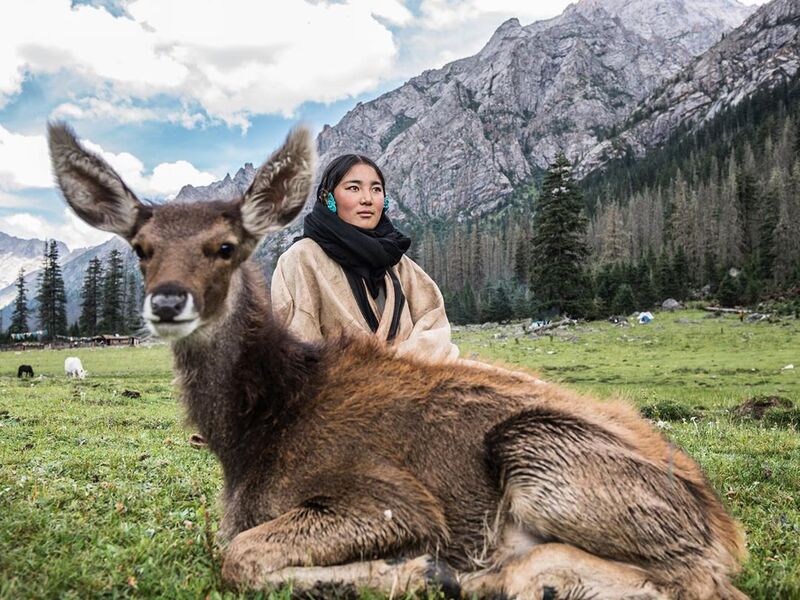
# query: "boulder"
[[755, 317], [670, 304]]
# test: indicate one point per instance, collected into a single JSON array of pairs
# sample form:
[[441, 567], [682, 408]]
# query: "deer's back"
[[380, 417]]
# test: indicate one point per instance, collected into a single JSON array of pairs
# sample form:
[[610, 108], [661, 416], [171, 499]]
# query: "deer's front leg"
[[383, 512]]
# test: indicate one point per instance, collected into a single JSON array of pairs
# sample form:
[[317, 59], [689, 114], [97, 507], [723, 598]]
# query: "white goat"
[[73, 367]]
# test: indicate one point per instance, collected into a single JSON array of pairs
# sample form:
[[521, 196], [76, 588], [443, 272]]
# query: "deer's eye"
[[140, 252], [226, 250]]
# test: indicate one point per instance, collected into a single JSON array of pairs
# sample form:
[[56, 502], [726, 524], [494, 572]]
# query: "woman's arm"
[[294, 304], [430, 335]]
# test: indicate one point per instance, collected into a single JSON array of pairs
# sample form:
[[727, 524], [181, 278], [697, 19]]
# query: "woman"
[[348, 273]]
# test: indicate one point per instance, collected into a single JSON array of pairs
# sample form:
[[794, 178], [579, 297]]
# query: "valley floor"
[[101, 495]]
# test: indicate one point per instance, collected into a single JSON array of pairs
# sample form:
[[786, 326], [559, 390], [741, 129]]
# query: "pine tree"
[[664, 277], [19, 319], [786, 247], [133, 305], [680, 274], [750, 287], [730, 290], [497, 307], [559, 279], [476, 251], [521, 266], [623, 302], [769, 221], [605, 286], [645, 292], [521, 302], [747, 203], [91, 298], [113, 316], [730, 241], [614, 235], [710, 271], [452, 301], [51, 297], [469, 304], [455, 268]]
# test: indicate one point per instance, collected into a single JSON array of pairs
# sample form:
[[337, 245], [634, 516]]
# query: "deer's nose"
[[167, 305]]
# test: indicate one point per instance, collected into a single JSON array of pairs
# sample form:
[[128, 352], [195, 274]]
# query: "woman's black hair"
[[338, 168]]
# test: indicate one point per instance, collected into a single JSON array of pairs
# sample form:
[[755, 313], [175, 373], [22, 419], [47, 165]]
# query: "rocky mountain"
[[17, 253], [73, 270], [457, 141], [762, 53], [605, 75], [688, 26], [226, 189]]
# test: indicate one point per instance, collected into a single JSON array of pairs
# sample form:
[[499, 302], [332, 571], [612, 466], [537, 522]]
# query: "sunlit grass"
[[100, 495], [687, 371]]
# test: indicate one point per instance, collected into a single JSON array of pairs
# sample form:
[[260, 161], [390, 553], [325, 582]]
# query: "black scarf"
[[366, 255]]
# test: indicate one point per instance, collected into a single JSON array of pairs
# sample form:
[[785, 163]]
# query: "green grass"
[[100, 495], [687, 372]]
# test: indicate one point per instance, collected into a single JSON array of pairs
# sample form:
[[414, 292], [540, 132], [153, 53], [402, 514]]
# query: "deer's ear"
[[91, 187], [281, 186]]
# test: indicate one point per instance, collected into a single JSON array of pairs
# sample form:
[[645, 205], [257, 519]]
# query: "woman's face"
[[359, 197]]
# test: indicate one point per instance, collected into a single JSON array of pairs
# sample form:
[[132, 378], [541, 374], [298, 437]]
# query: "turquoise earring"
[[386, 203], [330, 202]]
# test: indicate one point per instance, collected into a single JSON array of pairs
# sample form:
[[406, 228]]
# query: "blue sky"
[[180, 91]]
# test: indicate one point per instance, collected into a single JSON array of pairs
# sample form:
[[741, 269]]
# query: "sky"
[[174, 92]]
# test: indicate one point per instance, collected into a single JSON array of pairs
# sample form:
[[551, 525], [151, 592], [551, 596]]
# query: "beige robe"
[[312, 298]]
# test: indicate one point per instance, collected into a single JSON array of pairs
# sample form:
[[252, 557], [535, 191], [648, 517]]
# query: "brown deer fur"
[[340, 457]]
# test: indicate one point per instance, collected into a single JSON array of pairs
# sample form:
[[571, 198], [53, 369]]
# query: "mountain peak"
[[510, 29], [689, 24], [479, 126], [16, 253], [510, 24], [762, 53]]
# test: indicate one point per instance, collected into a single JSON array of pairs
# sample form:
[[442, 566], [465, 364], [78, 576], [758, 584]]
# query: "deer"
[[344, 464]]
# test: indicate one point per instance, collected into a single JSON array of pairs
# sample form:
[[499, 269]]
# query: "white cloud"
[[169, 178], [166, 179], [14, 201], [450, 14], [447, 30], [234, 58], [94, 108], [72, 231], [392, 11], [45, 36], [25, 163], [123, 111]]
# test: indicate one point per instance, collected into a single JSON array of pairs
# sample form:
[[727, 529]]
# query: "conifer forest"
[[714, 214]]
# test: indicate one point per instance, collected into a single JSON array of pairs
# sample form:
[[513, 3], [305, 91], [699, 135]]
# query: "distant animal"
[[25, 370], [343, 462], [73, 367]]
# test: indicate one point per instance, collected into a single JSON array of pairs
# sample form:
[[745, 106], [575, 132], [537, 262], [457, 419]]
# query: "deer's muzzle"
[[168, 306], [169, 311]]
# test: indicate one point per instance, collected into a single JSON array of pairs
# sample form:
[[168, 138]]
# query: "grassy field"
[[101, 496]]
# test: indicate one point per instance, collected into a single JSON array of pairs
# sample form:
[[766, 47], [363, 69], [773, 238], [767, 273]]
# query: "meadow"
[[102, 496]]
